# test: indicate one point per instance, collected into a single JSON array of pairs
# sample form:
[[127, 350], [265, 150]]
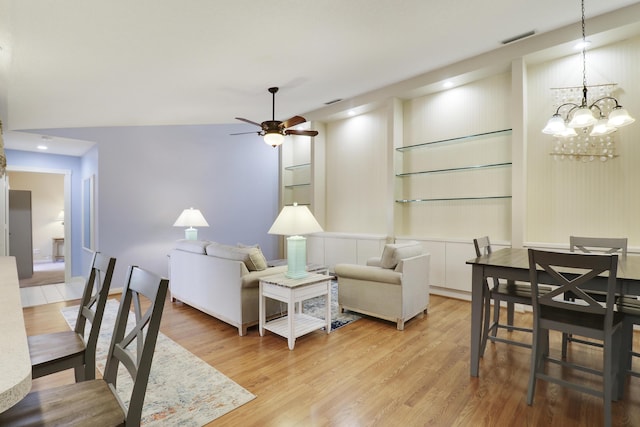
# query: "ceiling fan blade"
[[301, 132], [249, 121], [245, 133], [293, 121]]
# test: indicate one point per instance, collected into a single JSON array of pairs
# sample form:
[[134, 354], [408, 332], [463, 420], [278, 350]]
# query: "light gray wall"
[[146, 176]]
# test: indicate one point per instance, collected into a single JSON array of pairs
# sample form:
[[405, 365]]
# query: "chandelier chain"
[[584, 60]]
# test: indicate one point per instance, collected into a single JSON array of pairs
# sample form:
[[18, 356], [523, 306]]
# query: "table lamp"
[[191, 218], [294, 221]]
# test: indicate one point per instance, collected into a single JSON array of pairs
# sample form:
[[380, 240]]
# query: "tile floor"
[[45, 294]]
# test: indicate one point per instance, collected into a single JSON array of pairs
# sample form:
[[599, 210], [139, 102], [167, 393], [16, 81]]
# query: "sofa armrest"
[[368, 273]]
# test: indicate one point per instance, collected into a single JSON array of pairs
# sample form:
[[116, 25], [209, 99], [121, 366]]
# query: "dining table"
[[15, 363], [512, 264]]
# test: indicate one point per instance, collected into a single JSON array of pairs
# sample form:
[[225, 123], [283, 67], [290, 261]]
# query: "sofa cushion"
[[394, 252], [195, 246], [252, 257]]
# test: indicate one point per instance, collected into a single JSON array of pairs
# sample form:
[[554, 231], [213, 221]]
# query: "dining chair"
[[630, 306], [509, 292], [96, 402], [593, 245], [58, 351], [586, 317]]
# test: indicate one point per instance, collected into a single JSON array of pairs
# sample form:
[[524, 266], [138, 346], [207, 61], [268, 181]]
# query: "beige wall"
[[562, 198], [593, 198], [356, 174], [47, 200]]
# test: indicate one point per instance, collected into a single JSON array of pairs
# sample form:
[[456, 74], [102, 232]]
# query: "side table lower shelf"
[[303, 324]]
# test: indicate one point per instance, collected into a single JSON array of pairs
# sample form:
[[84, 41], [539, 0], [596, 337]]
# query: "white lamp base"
[[191, 234], [296, 257]]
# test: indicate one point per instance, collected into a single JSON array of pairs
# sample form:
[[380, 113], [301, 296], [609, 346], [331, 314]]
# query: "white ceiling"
[[96, 63]]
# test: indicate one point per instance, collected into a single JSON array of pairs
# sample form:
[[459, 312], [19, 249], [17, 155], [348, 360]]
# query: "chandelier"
[[582, 131]]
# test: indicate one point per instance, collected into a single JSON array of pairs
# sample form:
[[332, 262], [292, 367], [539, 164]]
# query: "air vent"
[[519, 37], [333, 102]]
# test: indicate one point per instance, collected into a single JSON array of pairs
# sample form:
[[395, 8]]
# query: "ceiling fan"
[[274, 130]]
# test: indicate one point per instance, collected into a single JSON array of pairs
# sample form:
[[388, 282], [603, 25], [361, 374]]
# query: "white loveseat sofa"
[[221, 280]]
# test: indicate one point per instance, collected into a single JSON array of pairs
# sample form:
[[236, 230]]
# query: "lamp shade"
[[582, 118], [620, 117], [555, 125], [295, 220], [191, 218]]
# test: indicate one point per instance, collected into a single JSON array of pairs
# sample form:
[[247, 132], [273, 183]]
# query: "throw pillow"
[[252, 257]]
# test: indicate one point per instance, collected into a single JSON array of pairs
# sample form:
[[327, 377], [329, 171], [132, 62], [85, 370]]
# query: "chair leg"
[[536, 352], [496, 317], [80, 373], [608, 380], [565, 342], [510, 311], [485, 323]]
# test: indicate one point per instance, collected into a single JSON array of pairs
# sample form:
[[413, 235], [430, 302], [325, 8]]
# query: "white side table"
[[294, 292]]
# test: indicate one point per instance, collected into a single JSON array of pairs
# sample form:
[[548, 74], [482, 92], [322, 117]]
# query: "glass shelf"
[[459, 139], [297, 185], [449, 199], [464, 168], [293, 167]]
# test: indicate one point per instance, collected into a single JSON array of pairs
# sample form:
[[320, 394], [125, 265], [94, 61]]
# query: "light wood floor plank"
[[368, 373]]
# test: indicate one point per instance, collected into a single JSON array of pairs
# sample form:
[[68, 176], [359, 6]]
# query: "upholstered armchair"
[[393, 287]]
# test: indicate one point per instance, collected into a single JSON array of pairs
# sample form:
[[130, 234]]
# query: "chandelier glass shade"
[[581, 125]]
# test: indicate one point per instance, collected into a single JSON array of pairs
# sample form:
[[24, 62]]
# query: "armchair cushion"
[[368, 273], [394, 252]]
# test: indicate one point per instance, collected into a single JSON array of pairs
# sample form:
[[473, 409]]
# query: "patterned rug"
[[315, 307], [183, 390]]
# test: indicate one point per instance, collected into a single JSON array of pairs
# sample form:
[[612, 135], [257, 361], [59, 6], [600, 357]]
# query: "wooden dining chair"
[[499, 291], [593, 245], [58, 351], [586, 317], [95, 402]]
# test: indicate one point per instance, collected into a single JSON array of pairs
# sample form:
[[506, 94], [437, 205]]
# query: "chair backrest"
[[482, 245], [136, 358], [570, 272], [94, 299], [606, 245]]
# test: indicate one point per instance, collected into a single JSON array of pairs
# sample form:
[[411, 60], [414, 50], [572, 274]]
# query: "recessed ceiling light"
[[447, 84], [582, 45], [351, 113], [42, 147]]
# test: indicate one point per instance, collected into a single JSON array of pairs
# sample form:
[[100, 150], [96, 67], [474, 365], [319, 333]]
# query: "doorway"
[[51, 255]]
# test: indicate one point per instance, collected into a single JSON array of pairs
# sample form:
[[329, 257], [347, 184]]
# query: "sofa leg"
[[340, 309], [400, 324]]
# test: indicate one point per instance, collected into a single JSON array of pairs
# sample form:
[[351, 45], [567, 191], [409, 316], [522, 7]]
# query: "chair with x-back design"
[[96, 402]]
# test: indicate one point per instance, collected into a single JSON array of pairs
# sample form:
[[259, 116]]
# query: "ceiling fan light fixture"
[[273, 138]]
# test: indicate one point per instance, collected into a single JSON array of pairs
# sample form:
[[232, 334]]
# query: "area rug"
[[316, 308], [183, 390], [45, 274]]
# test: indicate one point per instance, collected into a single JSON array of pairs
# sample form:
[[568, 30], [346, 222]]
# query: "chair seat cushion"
[[55, 347], [368, 273], [587, 320], [522, 290], [629, 305], [87, 403]]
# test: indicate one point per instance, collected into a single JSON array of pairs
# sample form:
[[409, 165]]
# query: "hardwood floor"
[[368, 373]]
